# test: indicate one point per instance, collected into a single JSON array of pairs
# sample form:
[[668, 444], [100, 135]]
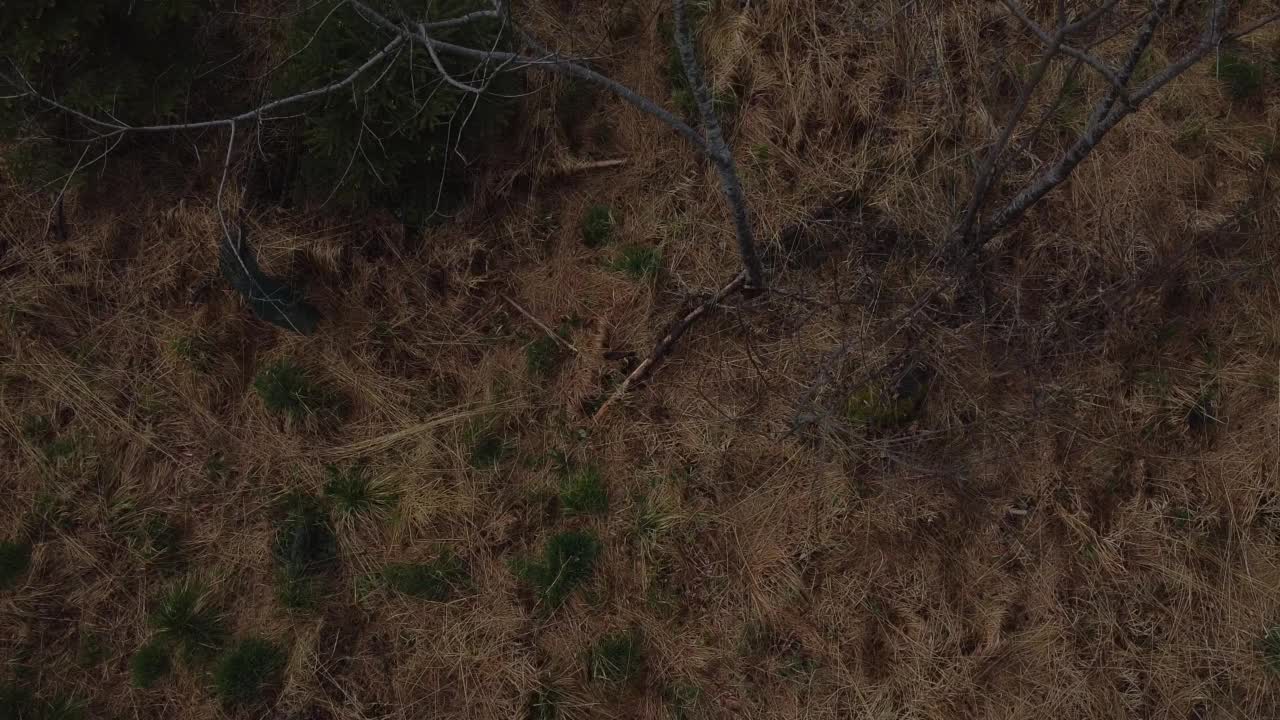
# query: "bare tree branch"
[[721, 155], [1056, 42]]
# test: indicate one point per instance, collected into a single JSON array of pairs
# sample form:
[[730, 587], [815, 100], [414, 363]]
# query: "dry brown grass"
[[1084, 521]]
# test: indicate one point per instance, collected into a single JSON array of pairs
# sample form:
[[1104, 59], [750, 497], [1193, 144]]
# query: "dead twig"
[[669, 340], [541, 325]]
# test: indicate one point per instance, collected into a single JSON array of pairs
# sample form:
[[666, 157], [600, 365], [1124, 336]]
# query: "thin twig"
[[721, 155], [541, 325], [669, 340]]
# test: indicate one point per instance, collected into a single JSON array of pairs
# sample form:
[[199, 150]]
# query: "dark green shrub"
[[1271, 649], [290, 390], [568, 561], [543, 356], [149, 665], [354, 494], [184, 617], [544, 704], [582, 492], [248, 672], [304, 548], [488, 448], [617, 657], [394, 139], [1243, 78], [146, 57], [598, 225], [638, 262], [435, 580], [15, 558]]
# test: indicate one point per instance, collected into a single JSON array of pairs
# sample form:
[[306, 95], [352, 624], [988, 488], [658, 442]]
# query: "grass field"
[[1062, 501]]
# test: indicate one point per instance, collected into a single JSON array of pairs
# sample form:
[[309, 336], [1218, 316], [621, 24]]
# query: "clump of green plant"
[[413, 167], [1242, 77], [248, 672], [488, 447], [617, 657], [196, 351], [1271, 649], [682, 698], [352, 493], [184, 617], [15, 558], [146, 63], [543, 356], [582, 491], [92, 649], [884, 405], [598, 226], [288, 389], [544, 704], [149, 665], [568, 561], [304, 547], [435, 580], [638, 262]]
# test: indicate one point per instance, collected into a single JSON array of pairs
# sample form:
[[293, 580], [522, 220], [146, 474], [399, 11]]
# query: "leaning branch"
[[668, 341]]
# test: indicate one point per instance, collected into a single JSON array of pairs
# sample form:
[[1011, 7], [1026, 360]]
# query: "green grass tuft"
[[248, 672], [149, 665], [1243, 78], [1271, 649], [15, 558], [638, 262], [544, 704], [598, 226], [582, 492], [543, 356], [304, 548], [488, 449], [568, 561], [290, 390], [617, 657], [184, 617], [354, 494], [434, 581], [682, 699]]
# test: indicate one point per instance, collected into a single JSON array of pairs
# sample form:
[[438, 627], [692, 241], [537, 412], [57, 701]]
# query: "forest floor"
[[1071, 509]]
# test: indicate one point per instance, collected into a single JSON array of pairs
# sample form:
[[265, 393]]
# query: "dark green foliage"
[[17, 703], [162, 542], [289, 389], [92, 649], [598, 225], [149, 665], [886, 405], [617, 657], [638, 262], [354, 494], [1271, 649], [544, 704], [269, 297], [15, 558], [568, 561], [488, 448], [435, 580], [582, 491], [304, 548], [145, 59], [183, 616], [389, 141], [682, 698], [1243, 78], [543, 356], [574, 104], [248, 672], [62, 708]]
